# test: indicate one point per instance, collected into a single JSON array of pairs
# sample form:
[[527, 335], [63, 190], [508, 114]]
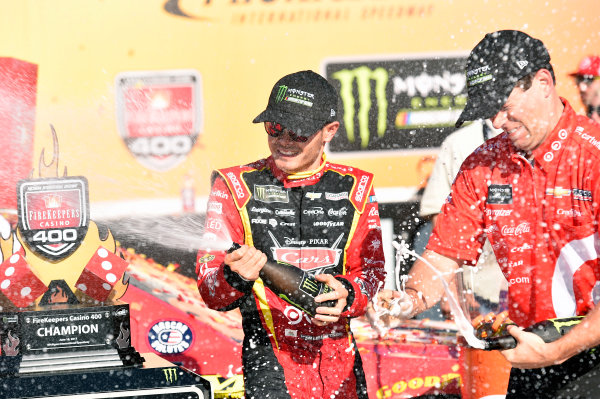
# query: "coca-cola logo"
[[338, 212], [516, 230]]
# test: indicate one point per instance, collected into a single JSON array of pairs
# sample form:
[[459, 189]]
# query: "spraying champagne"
[[293, 285], [549, 330]]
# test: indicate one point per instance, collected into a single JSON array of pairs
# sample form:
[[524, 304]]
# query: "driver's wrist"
[[418, 301]]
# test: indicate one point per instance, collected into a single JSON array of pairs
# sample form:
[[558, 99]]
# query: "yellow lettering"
[[432, 381], [383, 392], [415, 383], [399, 387]]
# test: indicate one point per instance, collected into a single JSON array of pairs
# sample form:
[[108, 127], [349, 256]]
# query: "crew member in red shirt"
[[533, 191], [587, 78]]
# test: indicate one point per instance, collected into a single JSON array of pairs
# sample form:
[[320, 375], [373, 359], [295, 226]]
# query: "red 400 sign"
[[159, 115]]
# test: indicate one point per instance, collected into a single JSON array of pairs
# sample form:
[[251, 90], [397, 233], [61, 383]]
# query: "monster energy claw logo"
[[363, 76], [281, 93], [170, 374]]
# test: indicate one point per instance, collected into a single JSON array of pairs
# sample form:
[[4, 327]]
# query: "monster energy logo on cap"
[[281, 93], [303, 102]]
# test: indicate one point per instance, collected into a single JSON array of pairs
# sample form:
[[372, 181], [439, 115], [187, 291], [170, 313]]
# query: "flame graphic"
[[59, 296], [49, 169], [52, 201], [123, 338], [10, 347]]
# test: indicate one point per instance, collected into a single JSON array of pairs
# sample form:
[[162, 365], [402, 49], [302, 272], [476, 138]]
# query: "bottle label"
[[310, 286]]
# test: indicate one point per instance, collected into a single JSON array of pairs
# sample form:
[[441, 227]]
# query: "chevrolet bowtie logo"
[[558, 192]]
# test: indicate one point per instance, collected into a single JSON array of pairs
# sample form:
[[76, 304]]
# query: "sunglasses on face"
[[593, 110], [583, 81], [275, 130]]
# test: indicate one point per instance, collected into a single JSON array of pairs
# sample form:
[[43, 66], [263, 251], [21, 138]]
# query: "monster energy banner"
[[397, 104]]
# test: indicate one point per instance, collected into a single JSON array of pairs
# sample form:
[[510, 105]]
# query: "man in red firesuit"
[[534, 192], [298, 209]]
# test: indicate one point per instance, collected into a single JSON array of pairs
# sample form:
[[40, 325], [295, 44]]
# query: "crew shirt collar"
[[553, 145]]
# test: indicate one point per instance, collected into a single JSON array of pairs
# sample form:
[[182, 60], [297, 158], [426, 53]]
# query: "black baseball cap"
[[494, 66], [303, 102]]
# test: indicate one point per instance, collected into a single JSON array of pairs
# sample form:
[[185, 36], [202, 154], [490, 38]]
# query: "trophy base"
[[53, 362], [66, 338], [158, 378]]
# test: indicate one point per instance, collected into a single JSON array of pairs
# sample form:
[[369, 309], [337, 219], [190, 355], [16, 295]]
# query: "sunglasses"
[[583, 81], [275, 130], [592, 110]]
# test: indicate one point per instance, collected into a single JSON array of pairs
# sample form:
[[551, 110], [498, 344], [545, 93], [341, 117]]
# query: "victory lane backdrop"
[[397, 104]]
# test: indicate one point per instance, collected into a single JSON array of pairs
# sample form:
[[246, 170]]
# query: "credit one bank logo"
[[394, 104]]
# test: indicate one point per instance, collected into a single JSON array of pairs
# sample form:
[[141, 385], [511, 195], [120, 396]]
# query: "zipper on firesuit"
[[537, 227]]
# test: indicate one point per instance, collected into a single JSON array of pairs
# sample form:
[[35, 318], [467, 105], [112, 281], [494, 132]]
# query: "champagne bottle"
[[549, 330], [293, 285]]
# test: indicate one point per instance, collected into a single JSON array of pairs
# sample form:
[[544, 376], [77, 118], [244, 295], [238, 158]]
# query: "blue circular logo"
[[170, 337]]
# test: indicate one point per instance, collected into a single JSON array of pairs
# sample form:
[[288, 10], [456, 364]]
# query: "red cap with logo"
[[588, 66]]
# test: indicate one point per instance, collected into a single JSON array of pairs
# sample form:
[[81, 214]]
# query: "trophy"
[[59, 286], [63, 329]]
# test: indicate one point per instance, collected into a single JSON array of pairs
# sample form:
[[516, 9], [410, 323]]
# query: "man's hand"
[[531, 351], [246, 261], [395, 304], [327, 314]]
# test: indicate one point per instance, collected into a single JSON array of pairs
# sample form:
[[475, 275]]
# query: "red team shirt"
[[541, 218]]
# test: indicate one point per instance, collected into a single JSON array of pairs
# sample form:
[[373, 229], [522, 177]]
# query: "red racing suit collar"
[[298, 179]]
